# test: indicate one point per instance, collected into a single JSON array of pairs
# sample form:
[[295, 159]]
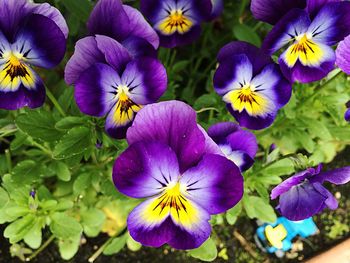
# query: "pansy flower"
[[307, 40], [238, 145], [252, 85], [178, 22], [30, 35], [109, 81], [171, 162], [124, 24], [303, 195]]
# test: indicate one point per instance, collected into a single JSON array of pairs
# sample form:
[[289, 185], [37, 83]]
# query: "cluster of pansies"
[[183, 173]]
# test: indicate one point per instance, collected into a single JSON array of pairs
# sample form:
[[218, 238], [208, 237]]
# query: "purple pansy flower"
[[178, 22], [303, 195], [238, 145], [172, 163], [126, 25], [30, 35], [251, 84], [307, 37], [108, 81]]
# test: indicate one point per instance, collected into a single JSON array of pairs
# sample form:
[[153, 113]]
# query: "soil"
[[236, 252]]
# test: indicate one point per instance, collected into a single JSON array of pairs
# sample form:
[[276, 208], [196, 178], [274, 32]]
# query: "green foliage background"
[[53, 149]]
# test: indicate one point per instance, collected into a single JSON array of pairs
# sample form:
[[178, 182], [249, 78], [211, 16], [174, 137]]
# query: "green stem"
[[8, 160], [44, 149], [55, 102], [32, 256], [207, 109], [275, 161]]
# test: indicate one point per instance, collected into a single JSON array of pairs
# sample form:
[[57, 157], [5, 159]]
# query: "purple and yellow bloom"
[[30, 35], [303, 195], [124, 24], [307, 37], [109, 81], [238, 145], [178, 22], [174, 164], [252, 85]]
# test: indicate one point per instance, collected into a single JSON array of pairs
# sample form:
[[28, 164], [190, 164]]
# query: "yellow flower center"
[[125, 109], [247, 98], [14, 72], [305, 50], [176, 21]]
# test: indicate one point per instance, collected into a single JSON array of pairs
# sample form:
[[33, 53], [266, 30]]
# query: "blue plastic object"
[[279, 235]]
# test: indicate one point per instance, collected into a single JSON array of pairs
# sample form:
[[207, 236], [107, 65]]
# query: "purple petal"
[[22, 96], [215, 183], [295, 23], [51, 12], [302, 201], [13, 13], [139, 47], [144, 169], [178, 40], [220, 131], [94, 90], [232, 73], [210, 145], [140, 28], [331, 24], [343, 55], [110, 19], [347, 115], [173, 123], [244, 141], [146, 79], [314, 6], [115, 54], [286, 185], [338, 176], [331, 202], [42, 41], [85, 55], [256, 56], [239, 158], [271, 11], [305, 73], [218, 7]]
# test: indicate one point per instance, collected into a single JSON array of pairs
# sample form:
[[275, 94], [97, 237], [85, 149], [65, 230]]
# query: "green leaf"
[[76, 141], [80, 8], [4, 198], [92, 221], [64, 226], [256, 207], [34, 237], [132, 244], [70, 122], [206, 252], [61, 170], [233, 213], [38, 124], [204, 101], [115, 245], [81, 183], [282, 167], [305, 140], [69, 247], [245, 33], [19, 228], [27, 172]]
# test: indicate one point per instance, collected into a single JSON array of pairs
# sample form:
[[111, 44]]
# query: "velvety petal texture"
[[303, 195], [237, 145], [168, 164], [30, 35], [343, 55], [178, 22], [253, 86]]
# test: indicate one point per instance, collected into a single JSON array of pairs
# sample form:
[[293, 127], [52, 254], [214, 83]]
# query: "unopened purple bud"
[[272, 147], [98, 145], [32, 193]]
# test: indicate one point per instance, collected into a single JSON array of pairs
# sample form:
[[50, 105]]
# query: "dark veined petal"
[[94, 90], [51, 12], [110, 19], [256, 56], [343, 55], [173, 123], [302, 201], [295, 23], [144, 169], [139, 27], [220, 131], [215, 184], [139, 47], [41, 42], [271, 11], [146, 79]]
